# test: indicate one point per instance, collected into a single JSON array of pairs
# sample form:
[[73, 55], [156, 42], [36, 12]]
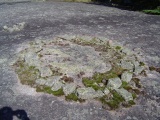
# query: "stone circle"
[[81, 69]]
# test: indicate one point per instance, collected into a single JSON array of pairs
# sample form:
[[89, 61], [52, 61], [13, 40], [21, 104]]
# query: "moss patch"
[[48, 90], [73, 97], [27, 74], [113, 102]]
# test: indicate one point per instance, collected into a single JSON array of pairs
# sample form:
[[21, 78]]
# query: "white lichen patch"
[[14, 28], [80, 69]]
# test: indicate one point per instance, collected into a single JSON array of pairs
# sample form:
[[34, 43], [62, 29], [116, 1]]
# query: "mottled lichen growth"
[[81, 69]]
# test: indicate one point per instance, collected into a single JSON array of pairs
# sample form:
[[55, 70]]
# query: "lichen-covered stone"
[[31, 58], [57, 85], [126, 76], [50, 81], [14, 28], [69, 88], [89, 93], [41, 81], [114, 83], [106, 91], [138, 70], [126, 65], [125, 94], [45, 71]]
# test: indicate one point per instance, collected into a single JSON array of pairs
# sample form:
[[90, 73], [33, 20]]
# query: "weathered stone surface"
[[138, 70], [127, 65], [86, 93], [31, 58], [125, 94], [114, 83], [126, 51], [135, 63], [41, 81], [69, 88], [106, 91], [45, 71], [126, 76], [50, 81], [98, 94], [57, 85], [17, 27]]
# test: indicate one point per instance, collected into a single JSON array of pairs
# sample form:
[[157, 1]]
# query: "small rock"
[[127, 65], [126, 76], [99, 94], [40, 81], [50, 82], [69, 88], [106, 91], [125, 94], [101, 84], [114, 83], [31, 58], [57, 85], [45, 71], [86, 93], [138, 70], [126, 51]]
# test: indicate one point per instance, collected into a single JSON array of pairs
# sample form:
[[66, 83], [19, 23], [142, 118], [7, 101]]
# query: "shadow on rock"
[[6, 113]]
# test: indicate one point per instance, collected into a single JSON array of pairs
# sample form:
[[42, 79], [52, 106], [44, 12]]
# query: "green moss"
[[73, 97], [48, 90], [58, 92], [27, 74], [137, 82], [117, 97], [112, 102], [141, 63], [131, 102], [90, 83], [134, 95], [118, 48], [124, 84]]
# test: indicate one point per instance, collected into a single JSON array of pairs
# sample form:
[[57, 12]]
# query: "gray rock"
[[126, 51], [98, 93], [57, 85], [135, 63], [106, 91], [69, 88], [86, 93], [41, 81], [125, 94], [138, 70], [114, 83], [50, 82], [45, 71], [31, 58], [126, 65], [126, 76]]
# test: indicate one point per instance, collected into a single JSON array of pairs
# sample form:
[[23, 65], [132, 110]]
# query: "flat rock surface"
[[45, 20]]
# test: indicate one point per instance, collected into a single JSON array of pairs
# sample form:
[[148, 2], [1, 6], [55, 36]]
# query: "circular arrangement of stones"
[[82, 69]]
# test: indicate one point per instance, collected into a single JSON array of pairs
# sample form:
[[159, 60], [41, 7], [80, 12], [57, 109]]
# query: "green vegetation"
[[152, 68], [48, 90], [73, 97], [99, 77], [137, 82], [118, 47], [154, 11], [114, 102], [27, 74], [134, 95]]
